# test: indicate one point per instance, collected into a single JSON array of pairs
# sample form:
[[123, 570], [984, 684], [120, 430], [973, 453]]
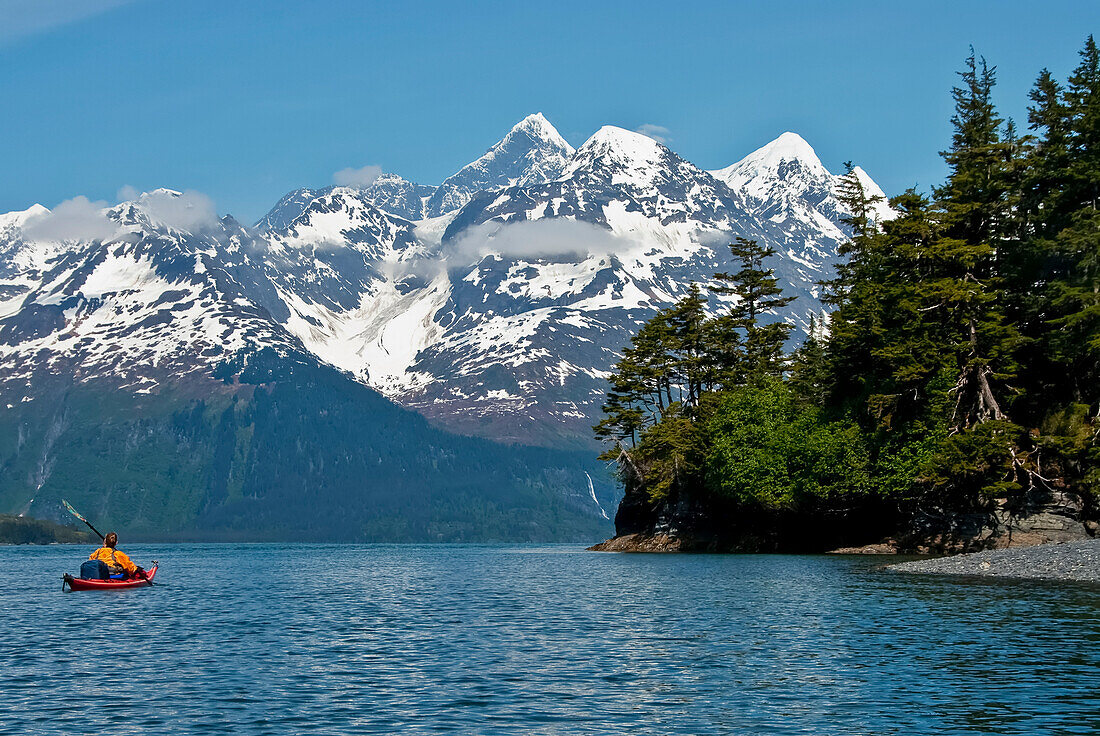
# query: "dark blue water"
[[278, 639]]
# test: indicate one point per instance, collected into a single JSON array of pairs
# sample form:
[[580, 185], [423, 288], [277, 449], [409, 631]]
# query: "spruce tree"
[[809, 374], [975, 206], [1058, 286], [759, 347]]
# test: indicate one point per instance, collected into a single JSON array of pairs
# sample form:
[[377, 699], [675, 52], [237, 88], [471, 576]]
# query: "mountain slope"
[[502, 317], [22, 261], [144, 377], [282, 450], [564, 271]]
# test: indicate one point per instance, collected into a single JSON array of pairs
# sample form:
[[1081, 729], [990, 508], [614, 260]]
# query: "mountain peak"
[[539, 134], [621, 149], [787, 148], [20, 217], [532, 152], [539, 128], [787, 166], [611, 138]]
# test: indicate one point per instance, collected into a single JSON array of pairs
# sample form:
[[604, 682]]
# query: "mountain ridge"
[[501, 316]]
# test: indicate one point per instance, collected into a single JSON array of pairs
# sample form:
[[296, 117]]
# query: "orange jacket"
[[114, 559]]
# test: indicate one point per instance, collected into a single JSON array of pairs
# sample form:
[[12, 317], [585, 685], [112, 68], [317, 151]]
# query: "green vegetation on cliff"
[[958, 372]]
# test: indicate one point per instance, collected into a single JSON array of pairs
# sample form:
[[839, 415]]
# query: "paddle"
[[78, 515]]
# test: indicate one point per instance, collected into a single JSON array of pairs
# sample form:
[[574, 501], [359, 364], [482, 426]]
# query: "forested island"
[[951, 400]]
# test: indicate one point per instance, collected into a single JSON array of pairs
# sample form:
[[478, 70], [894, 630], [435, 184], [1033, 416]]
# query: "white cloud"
[[81, 219], [547, 238], [363, 177], [26, 17], [658, 133], [190, 210], [74, 219]]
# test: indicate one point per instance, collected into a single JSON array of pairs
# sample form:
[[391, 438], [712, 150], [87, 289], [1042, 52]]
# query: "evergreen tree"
[[1048, 158], [1075, 338], [809, 374], [666, 364], [688, 323], [860, 206], [1082, 99], [918, 302], [759, 347], [1056, 285], [974, 206]]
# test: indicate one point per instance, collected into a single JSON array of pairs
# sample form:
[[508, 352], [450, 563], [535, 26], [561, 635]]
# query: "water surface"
[[317, 639]]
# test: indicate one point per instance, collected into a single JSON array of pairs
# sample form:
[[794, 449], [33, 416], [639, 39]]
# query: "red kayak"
[[80, 584]]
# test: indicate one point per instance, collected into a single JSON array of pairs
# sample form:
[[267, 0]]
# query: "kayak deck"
[[81, 584]]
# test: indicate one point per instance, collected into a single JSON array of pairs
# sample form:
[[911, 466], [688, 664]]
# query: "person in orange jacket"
[[117, 562]]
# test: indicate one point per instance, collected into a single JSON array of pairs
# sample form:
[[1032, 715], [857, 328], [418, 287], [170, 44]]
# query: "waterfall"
[[592, 490]]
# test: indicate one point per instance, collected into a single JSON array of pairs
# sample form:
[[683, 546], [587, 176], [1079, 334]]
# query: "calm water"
[[537, 640]]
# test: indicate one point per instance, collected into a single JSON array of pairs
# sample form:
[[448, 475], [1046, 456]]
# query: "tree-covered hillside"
[[281, 449]]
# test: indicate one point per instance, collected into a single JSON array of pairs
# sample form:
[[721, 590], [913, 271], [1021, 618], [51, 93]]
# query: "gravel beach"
[[1078, 561]]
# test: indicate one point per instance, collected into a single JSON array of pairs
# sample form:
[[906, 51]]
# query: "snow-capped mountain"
[[400, 197], [155, 373], [146, 307], [22, 261], [389, 192], [532, 152], [786, 186], [494, 303]]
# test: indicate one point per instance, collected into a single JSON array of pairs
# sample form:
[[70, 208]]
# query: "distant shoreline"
[[20, 530]]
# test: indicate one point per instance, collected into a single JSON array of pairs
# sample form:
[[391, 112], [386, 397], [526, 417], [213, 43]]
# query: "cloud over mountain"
[[74, 219], [361, 177], [547, 238], [658, 133]]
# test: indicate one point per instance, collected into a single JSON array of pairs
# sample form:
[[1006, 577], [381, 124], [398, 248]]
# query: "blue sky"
[[247, 100]]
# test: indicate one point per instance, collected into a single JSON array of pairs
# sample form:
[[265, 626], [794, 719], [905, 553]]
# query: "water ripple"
[[314, 639]]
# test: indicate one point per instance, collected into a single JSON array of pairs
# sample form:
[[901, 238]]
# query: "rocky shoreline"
[[1072, 561]]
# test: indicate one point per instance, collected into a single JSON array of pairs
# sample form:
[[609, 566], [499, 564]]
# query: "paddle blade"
[[73, 511], [76, 513]]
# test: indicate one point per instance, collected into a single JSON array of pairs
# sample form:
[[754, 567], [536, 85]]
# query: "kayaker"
[[117, 562]]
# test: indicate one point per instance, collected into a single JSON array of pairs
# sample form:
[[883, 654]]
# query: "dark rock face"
[[1042, 519], [691, 523]]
